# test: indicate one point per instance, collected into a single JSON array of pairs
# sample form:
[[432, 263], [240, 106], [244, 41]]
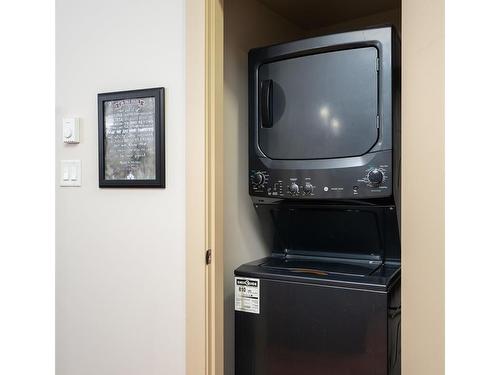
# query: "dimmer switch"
[[71, 130], [71, 173]]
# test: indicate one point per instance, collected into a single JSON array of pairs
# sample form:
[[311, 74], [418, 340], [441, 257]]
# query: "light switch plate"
[[71, 173], [71, 130]]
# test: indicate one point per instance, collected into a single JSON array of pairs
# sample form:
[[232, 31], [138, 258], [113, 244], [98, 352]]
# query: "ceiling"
[[313, 14]]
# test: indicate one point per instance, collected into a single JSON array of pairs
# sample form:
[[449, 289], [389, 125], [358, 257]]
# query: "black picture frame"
[[158, 93]]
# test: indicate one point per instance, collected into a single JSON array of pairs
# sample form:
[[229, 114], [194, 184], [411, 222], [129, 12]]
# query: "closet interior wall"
[[249, 24]]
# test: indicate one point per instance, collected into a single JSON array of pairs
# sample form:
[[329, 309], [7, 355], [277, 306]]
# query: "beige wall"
[[423, 187], [242, 237], [388, 17], [120, 270]]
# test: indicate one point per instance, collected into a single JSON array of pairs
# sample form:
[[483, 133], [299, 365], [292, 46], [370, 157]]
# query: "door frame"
[[422, 236], [204, 187]]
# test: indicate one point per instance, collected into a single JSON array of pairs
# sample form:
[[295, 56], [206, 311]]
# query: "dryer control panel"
[[370, 180]]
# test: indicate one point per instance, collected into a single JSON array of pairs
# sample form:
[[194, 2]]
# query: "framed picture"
[[132, 138]]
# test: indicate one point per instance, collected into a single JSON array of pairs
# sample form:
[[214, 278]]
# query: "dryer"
[[324, 118]]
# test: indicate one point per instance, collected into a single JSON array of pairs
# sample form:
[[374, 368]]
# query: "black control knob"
[[376, 176], [258, 179], [294, 188], [308, 188]]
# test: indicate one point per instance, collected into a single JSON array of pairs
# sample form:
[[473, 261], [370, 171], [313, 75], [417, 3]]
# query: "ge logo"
[[247, 283]]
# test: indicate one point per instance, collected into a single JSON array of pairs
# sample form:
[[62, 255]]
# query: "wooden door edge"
[[204, 179], [215, 165]]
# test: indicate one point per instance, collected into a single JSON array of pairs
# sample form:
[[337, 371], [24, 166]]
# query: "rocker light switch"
[[71, 173]]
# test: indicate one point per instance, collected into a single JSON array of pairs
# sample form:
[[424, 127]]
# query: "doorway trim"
[[204, 187], [215, 183]]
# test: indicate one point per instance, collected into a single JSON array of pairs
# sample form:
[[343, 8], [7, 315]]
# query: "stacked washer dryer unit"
[[324, 167]]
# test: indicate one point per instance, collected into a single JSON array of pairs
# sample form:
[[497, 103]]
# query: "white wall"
[[120, 279]]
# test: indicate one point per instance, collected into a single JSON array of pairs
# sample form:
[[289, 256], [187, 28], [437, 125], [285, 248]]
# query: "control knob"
[[376, 177], [258, 179], [294, 188], [308, 188]]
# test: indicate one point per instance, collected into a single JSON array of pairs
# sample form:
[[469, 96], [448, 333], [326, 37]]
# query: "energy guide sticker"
[[247, 295]]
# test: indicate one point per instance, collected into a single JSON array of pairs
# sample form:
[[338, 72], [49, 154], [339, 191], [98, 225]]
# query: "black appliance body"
[[324, 117], [317, 325], [324, 164], [327, 300]]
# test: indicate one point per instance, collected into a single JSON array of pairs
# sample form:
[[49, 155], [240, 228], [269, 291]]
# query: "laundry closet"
[[250, 24]]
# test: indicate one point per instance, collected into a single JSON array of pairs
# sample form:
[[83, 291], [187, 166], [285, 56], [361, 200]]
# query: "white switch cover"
[[71, 173], [71, 130]]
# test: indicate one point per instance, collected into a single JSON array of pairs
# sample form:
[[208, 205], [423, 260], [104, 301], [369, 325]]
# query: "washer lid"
[[319, 106], [353, 232], [314, 266], [382, 278]]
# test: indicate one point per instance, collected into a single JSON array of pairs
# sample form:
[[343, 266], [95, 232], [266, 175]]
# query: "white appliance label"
[[247, 295]]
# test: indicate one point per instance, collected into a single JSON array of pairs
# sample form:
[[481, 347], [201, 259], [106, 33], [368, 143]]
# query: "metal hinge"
[[208, 256], [378, 121], [377, 64]]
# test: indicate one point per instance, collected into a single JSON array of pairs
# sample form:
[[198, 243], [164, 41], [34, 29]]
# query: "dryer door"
[[319, 106]]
